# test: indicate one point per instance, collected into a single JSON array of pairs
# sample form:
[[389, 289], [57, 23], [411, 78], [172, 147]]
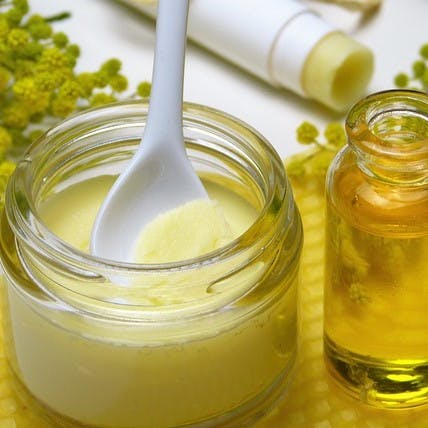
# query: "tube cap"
[[292, 47]]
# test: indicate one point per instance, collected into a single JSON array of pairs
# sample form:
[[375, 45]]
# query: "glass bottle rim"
[[366, 113]]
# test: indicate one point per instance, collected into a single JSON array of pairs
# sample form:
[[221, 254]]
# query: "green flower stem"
[[58, 17]]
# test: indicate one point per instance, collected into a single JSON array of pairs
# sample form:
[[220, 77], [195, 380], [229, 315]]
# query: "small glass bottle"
[[376, 278], [209, 341]]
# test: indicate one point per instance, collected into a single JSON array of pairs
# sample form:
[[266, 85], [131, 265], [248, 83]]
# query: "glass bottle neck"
[[388, 132]]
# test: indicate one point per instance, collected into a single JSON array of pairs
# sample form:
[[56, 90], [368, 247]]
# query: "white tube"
[[274, 40]]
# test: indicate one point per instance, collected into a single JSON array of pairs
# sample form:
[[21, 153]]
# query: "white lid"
[[293, 46]]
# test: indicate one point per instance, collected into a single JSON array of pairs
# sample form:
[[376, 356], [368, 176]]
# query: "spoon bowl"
[[159, 177]]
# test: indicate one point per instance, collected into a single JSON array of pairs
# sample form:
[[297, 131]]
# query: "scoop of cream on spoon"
[[160, 177]]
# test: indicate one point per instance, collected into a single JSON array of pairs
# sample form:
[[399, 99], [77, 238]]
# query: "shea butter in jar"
[[208, 341]]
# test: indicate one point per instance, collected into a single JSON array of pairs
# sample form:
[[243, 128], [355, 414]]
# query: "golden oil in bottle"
[[376, 277]]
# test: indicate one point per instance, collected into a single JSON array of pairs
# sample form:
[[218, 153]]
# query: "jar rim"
[[71, 255]]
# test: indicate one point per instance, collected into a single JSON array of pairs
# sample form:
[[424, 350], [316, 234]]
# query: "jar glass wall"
[[200, 342], [376, 278]]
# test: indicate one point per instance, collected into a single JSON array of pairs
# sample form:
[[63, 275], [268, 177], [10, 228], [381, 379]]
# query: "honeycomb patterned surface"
[[312, 401]]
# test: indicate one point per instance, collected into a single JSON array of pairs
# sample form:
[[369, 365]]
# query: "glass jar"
[[376, 278], [198, 343]]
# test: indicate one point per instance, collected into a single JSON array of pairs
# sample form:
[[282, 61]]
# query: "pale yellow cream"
[[99, 372], [337, 71], [188, 231]]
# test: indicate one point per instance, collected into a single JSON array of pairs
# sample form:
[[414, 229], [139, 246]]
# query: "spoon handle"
[[165, 121]]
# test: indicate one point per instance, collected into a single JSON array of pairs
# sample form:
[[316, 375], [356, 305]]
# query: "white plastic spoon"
[[159, 177]]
